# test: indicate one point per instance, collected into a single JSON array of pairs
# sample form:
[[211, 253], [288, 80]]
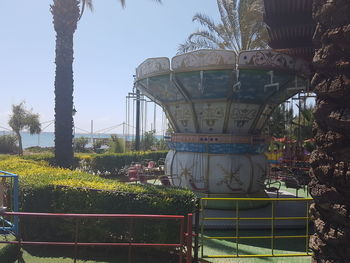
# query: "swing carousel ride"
[[217, 104]]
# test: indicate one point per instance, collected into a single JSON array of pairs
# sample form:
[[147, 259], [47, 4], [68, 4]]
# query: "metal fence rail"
[[185, 232], [6, 225], [272, 235]]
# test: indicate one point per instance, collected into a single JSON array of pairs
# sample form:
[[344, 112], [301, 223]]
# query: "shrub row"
[[110, 164], [8, 144], [9, 253], [47, 189], [103, 164]]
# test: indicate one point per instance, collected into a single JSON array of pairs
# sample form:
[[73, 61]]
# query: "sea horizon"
[[46, 139]]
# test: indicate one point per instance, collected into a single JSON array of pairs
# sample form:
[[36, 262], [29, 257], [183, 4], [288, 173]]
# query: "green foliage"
[[8, 144], [280, 122], [47, 189], [38, 149], [9, 253], [116, 144], [80, 144], [96, 146], [148, 140], [241, 28], [102, 164], [110, 164], [21, 119], [303, 123], [309, 146], [161, 145], [49, 158]]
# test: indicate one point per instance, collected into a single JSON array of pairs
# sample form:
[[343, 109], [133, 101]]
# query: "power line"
[[82, 130]]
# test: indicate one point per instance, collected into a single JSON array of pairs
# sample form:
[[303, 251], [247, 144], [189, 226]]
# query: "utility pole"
[[92, 132], [137, 133], [154, 118], [124, 136]]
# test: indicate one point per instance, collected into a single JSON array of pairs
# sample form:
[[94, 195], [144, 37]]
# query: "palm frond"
[[206, 36], [230, 18], [241, 27], [122, 2], [84, 3], [194, 45], [206, 21]]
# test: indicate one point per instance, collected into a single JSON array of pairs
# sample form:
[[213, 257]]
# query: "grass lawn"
[[216, 247], [44, 254]]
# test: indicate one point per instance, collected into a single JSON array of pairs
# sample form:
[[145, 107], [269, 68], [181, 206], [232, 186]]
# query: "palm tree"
[[330, 162], [66, 14], [241, 28], [280, 121], [23, 119]]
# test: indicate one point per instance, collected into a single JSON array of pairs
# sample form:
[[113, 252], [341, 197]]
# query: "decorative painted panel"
[[211, 84], [217, 173], [265, 59], [241, 117], [231, 174], [160, 87], [204, 59], [210, 116], [218, 148], [189, 170], [268, 59], [258, 86], [182, 116], [153, 66]]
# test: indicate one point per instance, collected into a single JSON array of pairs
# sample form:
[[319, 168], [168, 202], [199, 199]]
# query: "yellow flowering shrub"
[[44, 188]]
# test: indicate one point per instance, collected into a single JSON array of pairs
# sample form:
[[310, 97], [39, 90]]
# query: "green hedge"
[[110, 164], [75, 200], [103, 164], [9, 253], [47, 189]]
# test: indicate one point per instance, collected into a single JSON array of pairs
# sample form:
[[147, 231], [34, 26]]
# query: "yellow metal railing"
[[272, 236]]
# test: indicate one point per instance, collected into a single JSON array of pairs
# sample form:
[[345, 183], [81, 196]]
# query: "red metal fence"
[[185, 232]]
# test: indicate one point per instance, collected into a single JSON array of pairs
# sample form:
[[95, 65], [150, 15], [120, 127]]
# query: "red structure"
[[185, 235]]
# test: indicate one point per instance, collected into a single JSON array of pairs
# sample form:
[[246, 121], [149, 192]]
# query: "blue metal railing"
[[11, 226]]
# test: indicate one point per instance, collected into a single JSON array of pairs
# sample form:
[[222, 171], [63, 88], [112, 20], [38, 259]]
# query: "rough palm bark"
[[65, 18], [330, 184]]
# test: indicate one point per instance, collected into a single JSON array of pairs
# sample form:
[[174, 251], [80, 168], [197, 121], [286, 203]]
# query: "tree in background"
[[303, 123], [21, 119], [161, 145], [279, 124], [241, 28], [148, 140], [80, 144], [8, 144], [330, 162], [66, 14], [116, 144]]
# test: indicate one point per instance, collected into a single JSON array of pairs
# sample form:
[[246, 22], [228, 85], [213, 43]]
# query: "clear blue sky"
[[109, 44]]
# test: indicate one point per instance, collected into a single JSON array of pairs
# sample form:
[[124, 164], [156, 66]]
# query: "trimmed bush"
[[47, 189], [102, 164], [110, 164], [9, 253], [8, 144]]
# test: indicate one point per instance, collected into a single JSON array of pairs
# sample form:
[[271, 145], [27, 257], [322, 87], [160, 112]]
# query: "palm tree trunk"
[[330, 162], [65, 18], [20, 144]]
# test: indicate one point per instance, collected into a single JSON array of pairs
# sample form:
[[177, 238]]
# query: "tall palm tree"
[[66, 14], [241, 28], [330, 185]]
